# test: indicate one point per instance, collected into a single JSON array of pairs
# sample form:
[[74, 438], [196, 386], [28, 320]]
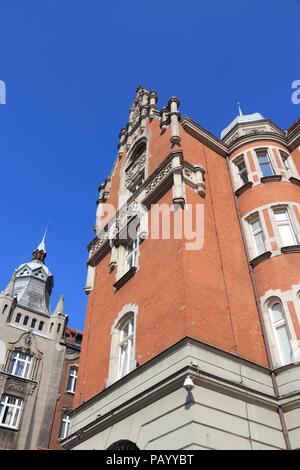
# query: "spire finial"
[[60, 307], [239, 108], [40, 252]]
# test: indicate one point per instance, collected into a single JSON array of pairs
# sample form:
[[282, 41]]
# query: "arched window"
[[281, 332], [123, 445], [41, 325], [33, 323], [18, 318], [135, 167], [125, 356], [122, 352], [25, 321]]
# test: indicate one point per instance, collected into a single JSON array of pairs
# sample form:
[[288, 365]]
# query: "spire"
[[60, 307], [40, 252], [10, 287], [239, 108]]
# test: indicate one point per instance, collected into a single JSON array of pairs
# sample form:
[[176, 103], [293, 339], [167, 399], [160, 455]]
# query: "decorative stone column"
[[200, 186], [174, 116], [153, 97], [121, 142], [164, 119], [178, 190]]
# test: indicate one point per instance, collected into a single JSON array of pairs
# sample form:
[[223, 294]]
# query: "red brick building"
[[219, 310], [65, 400]]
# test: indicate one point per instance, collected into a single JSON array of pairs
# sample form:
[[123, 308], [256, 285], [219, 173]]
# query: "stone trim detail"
[[259, 259], [243, 188], [173, 165]]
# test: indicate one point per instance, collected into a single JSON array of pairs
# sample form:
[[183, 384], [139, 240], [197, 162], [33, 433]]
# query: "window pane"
[[260, 243], [276, 312], [281, 216], [284, 344], [287, 234], [255, 225]]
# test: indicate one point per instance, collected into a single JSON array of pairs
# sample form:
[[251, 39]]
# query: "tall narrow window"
[[264, 161], [126, 348], [280, 330], [10, 411], [20, 364], [241, 170], [72, 380], [25, 321], [285, 227], [64, 427], [18, 317], [257, 236], [33, 323], [41, 326], [131, 254], [285, 161]]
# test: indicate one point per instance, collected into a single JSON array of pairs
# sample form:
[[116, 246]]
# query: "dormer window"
[[264, 162]]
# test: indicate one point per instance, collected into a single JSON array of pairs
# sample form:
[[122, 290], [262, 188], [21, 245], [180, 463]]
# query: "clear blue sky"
[[71, 68]]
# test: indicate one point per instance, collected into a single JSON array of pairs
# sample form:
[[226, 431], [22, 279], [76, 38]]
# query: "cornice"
[[197, 131], [243, 140]]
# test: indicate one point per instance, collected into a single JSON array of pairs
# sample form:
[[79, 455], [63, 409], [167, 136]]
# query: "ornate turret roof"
[[34, 282]]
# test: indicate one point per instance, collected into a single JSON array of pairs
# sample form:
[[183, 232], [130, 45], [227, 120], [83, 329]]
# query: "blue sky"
[[71, 68]]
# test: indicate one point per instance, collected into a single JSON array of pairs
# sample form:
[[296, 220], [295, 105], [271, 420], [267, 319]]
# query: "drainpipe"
[[261, 317]]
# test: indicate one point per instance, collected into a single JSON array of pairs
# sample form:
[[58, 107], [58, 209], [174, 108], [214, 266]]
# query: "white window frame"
[[286, 161], [236, 162], [125, 358], [131, 255], [267, 153], [64, 426], [288, 222], [72, 379], [250, 220], [16, 411], [129, 311], [16, 360], [275, 327]]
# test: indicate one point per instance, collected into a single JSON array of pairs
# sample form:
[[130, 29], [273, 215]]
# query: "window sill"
[[294, 180], [290, 249], [243, 188], [8, 427], [259, 259], [271, 179], [129, 274]]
